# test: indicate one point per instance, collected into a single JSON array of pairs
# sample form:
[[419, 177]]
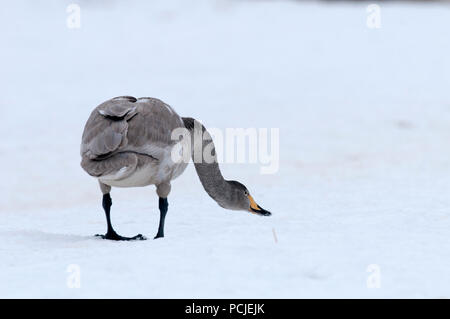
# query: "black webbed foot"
[[115, 236]]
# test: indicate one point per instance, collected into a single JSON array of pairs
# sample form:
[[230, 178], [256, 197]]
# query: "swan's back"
[[122, 129]]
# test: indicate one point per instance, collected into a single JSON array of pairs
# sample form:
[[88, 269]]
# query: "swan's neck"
[[206, 166], [213, 182]]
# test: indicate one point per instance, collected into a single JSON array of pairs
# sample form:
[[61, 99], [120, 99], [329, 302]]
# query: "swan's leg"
[[163, 207], [111, 233], [163, 191]]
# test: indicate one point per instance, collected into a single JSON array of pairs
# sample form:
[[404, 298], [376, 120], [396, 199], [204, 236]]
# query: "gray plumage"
[[124, 136]]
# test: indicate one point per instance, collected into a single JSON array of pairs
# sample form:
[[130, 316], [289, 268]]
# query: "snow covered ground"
[[364, 149]]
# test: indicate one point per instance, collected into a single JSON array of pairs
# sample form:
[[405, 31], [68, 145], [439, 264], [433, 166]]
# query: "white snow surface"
[[364, 149]]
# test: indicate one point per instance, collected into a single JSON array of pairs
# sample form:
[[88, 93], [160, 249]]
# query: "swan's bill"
[[256, 209]]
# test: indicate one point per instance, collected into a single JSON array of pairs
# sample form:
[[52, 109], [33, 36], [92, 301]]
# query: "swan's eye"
[[246, 193]]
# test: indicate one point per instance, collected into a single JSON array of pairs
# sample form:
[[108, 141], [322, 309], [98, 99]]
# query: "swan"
[[127, 142]]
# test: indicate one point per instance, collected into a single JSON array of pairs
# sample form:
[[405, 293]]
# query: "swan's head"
[[241, 199]]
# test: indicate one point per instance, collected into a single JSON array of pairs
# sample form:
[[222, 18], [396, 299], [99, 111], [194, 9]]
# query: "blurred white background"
[[363, 116]]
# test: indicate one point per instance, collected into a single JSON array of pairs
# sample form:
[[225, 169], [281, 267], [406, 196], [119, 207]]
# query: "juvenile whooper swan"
[[127, 143]]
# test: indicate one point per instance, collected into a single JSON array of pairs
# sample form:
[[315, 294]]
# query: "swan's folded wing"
[[153, 125], [106, 129], [116, 167], [118, 110]]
